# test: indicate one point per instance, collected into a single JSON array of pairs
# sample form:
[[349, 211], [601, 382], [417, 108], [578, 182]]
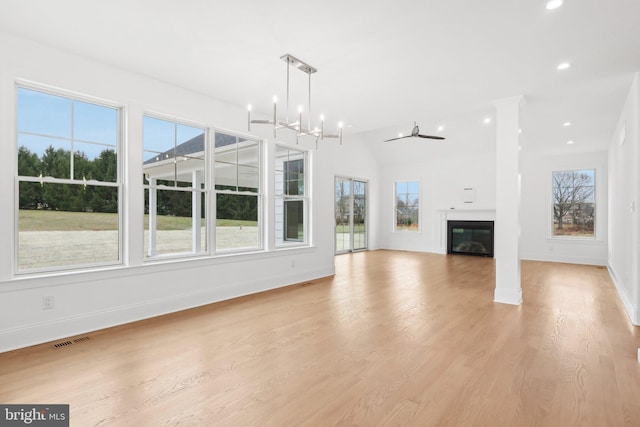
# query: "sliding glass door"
[[350, 214]]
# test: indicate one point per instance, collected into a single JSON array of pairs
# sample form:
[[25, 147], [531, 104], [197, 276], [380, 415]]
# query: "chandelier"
[[297, 126]]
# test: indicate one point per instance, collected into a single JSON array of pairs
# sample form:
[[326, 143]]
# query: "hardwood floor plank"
[[394, 338]]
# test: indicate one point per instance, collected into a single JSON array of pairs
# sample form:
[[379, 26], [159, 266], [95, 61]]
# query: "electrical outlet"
[[48, 302]]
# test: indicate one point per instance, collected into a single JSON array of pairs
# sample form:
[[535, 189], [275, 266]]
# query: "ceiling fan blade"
[[431, 136], [400, 137]]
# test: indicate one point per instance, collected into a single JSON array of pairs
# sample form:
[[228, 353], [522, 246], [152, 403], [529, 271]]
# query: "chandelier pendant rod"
[[309, 112], [288, 66]]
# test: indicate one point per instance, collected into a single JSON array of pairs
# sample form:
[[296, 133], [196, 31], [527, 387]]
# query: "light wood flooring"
[[394, 339]]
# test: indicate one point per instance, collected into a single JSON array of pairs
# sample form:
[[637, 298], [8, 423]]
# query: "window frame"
[[418, 230], [119, 183], [281, 243], [259, 194], [551, 229], [206, 190]]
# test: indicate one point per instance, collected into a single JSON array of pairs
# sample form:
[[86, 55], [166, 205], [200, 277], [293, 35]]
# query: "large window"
[[175, 185], [238, 186], [291, 196], [574, 203], [407, 206], [68, 181]]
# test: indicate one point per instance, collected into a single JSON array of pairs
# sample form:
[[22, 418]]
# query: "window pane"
[[95, 123], [248, 178], [294, 220], [172, 151], [574, 203], [237, 163], [236, 222], [289, 171], [226, 176], [407, 208], [291, 193], [222, 140], [159, 137], [172, 228], [249, 153], [43, 113], [47, 156], [66, 225], [174, 156]]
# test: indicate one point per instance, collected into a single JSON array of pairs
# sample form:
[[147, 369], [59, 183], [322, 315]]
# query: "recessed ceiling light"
[[440, 128], [554, 4], [519, 131], [569, 142], [564, 66], [400, 135], [566, 124], [486, 120]]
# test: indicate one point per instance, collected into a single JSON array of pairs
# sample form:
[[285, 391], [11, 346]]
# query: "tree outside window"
[[68, 182], [407, 206], [574, 203]]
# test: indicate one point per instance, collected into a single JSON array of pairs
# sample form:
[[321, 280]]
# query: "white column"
[[507, 226], [196, 210], [153, 215]]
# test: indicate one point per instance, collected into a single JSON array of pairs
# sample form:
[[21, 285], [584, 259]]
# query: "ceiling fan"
[[415, 133]]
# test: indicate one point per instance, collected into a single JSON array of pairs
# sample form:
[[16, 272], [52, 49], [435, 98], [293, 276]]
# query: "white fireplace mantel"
[[464, 214], [461, 214]]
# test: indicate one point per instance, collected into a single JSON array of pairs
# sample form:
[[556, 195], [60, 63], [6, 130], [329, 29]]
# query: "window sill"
[[575, 240], [42, 280]]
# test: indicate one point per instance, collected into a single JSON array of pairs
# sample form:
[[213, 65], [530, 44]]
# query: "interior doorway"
[[350, 214]]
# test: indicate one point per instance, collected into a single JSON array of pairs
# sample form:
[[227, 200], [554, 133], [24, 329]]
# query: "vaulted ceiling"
[[381, 65]]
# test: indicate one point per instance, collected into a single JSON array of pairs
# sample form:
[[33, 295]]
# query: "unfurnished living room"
[[340, 213]]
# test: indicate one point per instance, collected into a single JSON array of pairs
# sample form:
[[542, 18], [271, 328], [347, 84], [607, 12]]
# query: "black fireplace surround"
[[470, 238]]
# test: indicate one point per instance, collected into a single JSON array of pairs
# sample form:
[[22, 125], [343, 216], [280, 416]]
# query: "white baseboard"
[[633, 312], [508, 296], [38, 333], [563, 258]]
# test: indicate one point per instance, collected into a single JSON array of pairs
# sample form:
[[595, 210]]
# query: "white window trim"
[[395, 210], [597, 189], [75, 96], [207, 190], [306, 199], [259, 195]]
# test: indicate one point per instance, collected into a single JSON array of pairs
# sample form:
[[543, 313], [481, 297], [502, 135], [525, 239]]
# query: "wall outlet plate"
[[48, 302]]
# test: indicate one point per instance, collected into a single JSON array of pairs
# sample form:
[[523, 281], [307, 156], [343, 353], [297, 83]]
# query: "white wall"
[[536, 242], [442, 181], [352, 159], [624, 194], [88, 301]]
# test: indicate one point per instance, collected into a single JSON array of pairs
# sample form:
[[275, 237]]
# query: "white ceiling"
[[380, 64]]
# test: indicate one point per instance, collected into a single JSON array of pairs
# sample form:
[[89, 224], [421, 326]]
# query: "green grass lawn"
[[344, 228], [39, 220]]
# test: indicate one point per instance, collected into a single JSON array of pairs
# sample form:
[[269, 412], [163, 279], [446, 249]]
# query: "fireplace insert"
[[470, 238]]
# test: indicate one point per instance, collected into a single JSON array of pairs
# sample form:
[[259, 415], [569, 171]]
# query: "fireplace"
[[470, 238]]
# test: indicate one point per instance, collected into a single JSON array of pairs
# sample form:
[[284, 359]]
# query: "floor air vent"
[[67, 343]]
